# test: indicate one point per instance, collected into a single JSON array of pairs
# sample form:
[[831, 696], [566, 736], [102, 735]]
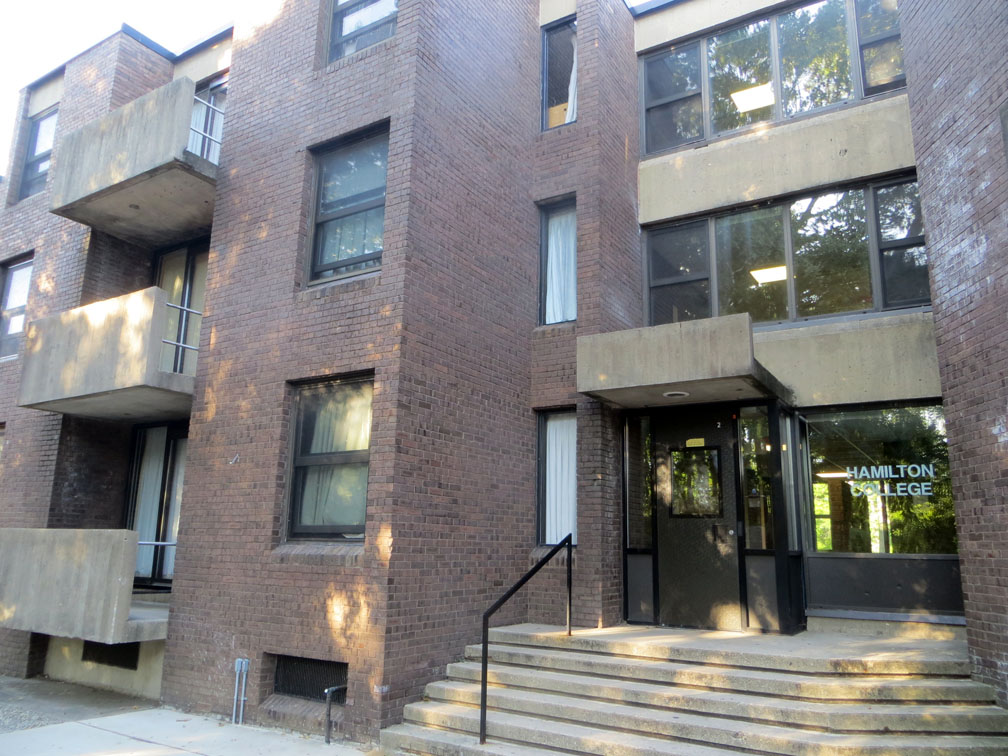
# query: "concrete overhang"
[[75, 584], [130, 175], [709, 360], [104, 361]]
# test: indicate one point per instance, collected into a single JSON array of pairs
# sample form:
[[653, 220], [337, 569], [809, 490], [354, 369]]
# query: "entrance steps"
[[631, 691]]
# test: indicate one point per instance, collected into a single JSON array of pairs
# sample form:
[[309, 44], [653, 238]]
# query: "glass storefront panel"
[[639, 481], [754, 450], [880, 481]]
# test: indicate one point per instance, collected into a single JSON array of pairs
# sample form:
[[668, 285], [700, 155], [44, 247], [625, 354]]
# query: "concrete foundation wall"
[[847, 144], [883, 359], [63, 662]]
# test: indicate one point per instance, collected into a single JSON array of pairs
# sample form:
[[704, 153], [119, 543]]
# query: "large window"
[[880, 481], [558, 270], [357, 24], [787, 64], [207, 124], [841, 251], [350, 212], [182, 274], [331, 457], [557, 476], [37, 158], [14, 281], [559, 74]]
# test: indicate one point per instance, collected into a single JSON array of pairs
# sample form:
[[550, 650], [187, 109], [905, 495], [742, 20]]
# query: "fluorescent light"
[[832, 475], [769, 275], [753, 98]]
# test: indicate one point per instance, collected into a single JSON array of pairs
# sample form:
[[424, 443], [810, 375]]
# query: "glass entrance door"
[[697, 522], [159, 472]]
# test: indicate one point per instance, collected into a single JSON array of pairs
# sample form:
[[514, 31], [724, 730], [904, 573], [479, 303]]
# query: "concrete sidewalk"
[[162, 732]]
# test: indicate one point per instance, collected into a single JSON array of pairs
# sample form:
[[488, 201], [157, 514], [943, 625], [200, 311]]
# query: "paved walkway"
[[46, 718]]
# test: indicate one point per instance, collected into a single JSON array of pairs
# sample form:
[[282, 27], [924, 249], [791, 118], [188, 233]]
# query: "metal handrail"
[[157, 543], [568, 542]]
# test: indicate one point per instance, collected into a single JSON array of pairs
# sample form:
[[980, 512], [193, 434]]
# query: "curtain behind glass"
[[174, 505], [148, 497], [572, 87], [561, 477], [561, 267]]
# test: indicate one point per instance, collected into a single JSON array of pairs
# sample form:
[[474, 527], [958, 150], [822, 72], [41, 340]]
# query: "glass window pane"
[[751, 265], [351, 236], [754, 450], [815, 57], [353, 174], [561, 266], [740, 77], [560, 74], [899, 212], [882, 64], [334, 496], [44, 135], [905, 276], [679, 251], [335, 419], [674, 123], [831, 260], [678, 302], [367, 15], [350, 21], [675, 73], [19, 277], [881, 481], [696, 483], [559, 477], [876, 17]]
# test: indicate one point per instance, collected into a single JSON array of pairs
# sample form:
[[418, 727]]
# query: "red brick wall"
[[957, 69]]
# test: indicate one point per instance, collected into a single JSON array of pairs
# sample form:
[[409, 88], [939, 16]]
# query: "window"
[[880, 481], [357, 24], [207, 125], [350, 213], [37, 158], [879, 45], [332, 438], [841, 251], [559, 74], [182, 274], [773, 68], [558, 269], [557, 476], [14, 281], [3, 428]]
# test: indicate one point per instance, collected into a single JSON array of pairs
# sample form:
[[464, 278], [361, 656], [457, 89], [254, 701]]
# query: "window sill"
[[319, 552], [566, 325], [376, 49]]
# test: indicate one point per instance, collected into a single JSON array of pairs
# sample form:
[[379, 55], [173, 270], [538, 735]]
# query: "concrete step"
[[588, 728], [406, 738], [862, 688], [810, 653], [833, 717]]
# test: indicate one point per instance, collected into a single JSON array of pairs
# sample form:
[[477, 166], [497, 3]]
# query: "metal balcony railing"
[[181, 345]]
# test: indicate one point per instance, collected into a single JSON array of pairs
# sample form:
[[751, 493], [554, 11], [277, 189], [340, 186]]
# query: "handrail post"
[[569, 582], [483, 679]]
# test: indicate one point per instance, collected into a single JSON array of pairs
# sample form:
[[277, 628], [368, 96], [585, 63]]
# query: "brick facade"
[[957, 72]]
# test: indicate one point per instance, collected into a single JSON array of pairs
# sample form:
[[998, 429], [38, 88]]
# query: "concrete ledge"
[[710, 360], [74, 584]]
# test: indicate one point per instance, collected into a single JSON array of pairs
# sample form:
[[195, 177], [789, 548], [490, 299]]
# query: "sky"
[[35, 39]]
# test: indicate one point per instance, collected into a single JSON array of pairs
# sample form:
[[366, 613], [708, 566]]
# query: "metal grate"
[[122, 655], [309, 678]]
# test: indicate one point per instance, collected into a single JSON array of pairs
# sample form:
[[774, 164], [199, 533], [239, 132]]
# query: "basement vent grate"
[[122, 655], [309, 678]]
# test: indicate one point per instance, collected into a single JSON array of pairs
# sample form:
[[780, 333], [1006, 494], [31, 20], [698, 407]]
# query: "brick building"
[[318, 335]]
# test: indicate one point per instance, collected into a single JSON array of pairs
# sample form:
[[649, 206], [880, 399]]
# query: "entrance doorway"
[[697, 521]]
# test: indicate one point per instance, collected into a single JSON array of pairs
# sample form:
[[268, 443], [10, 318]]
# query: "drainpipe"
[[244, 698], [241, 680]]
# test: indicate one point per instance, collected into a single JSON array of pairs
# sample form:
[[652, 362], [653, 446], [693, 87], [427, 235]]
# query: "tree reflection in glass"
[[815, 57], [741, 80], [696, 485], [751, 266]]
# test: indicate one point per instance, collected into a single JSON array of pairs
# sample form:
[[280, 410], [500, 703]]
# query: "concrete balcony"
[[107, 360], [75, 584], [131, 173]]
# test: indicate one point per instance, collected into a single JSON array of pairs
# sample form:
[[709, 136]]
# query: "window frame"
[[858, 91], [875, 247], [546, 211], [5, 312], [35, 183], [545, 31], [337, 39], [316, 270], [300, 460], [542, 418], [882, 246], [871, 41]]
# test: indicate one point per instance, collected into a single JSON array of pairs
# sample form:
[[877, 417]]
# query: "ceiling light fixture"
[[769, 275]]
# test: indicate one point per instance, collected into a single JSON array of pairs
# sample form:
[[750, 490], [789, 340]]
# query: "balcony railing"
[[180, 353]]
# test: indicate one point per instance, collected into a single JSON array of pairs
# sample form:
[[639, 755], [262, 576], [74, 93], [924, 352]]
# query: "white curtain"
[[561, 476], [561, 267], [336, 494], [572, 87], [174, 505], [149, 496]]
